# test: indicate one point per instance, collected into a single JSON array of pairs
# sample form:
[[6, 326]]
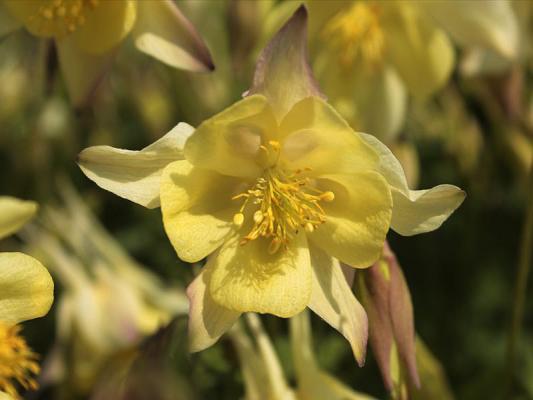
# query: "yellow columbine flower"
[[277, 191], [370, 55], [108, 303], [87, 32], [26, 292]]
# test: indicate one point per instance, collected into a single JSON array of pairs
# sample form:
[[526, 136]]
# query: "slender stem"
[[522, 274]]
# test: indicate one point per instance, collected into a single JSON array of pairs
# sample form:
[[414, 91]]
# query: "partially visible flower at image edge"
[[276, 191], [371, 56], [26, 292], [88, 32]]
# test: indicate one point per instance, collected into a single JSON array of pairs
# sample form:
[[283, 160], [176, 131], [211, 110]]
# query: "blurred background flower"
[[107, 303]]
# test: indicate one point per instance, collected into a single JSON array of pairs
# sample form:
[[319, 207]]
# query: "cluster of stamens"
[[17, 362], [357, 33], [281, 203], [59, 18]]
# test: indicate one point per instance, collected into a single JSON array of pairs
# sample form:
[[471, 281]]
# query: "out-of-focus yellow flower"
[[369, 55], [87, 33], [109, 302], [263, 374], [314, 383], [277, 190], [26, 292], [260, 366]]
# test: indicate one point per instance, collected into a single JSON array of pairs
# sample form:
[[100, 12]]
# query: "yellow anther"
[[274, 144], [281, 204], [47, 13], [17, 362], [258, 216], [238, 219], [327, 196], [59, 18]]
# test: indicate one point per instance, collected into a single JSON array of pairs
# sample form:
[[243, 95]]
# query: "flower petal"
[[135, 175], [82, 71], [414, 211], [370, 100], [315, 136], [197, 209], [313, 383], [247, 278], [490, 24], [7, 24], [163, 32], [357, 220], [228, 142], [283, 64], [333, 300], [261, 369], [26, 288], [106, 26], [421, 52], [14, 213], [207, 320], [387, 301]]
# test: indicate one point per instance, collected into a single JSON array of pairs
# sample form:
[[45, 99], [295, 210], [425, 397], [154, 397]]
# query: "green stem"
[[522, 274]]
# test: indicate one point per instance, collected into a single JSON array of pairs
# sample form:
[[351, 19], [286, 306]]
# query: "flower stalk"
[[519, 297]]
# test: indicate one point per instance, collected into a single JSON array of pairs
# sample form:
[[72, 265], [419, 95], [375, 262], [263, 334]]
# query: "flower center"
[[59, 18], [281, 203], [17, 361], [356, 33]]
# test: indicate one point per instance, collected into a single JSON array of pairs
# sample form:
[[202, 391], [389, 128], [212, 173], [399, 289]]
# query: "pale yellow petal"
[[421, 52], [332, 299], [490, 24], [207, 319], [197, 209], [81, 71], [423, 211], [248, 278], [229, 142], [163, 32], [313, 383], [370, 100], [8, 23], [5, 396], [315, 136], [282, 72], [26, 288], [357, 220], [14, 213], [106, 26], [135, 175], [414, 211]]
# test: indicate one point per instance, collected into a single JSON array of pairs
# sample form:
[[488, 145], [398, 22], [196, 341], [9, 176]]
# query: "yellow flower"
[[17, 361], [26, 292], [108, 303], [313, 382], [370, 55], [277, 191], [263, 374], [87, 32]]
